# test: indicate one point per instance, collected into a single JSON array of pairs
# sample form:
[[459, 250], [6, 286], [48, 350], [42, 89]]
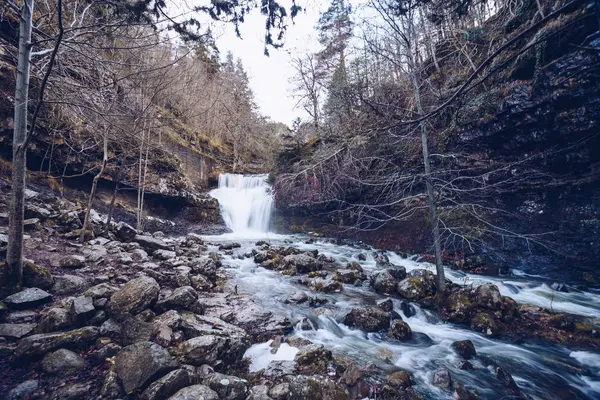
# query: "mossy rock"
[[36, 276], [485, 324]]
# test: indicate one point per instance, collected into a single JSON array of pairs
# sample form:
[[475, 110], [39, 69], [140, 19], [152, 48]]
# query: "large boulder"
[[209, 349], [304, 263], [400, 330], [16, 331], [36, 276], [349, 276], [168, 385], [419, 284], [227, 387], [37, 345], [53, 319], [125, 232], [313, 359], [28, 298], [315, 388], [484, 323], [62, 362], [135, 296], [369, 319], [151, 244], [384, 282], [139, 364], [181, 298], [195, 392], [68, 284], [464, 348], [488, 296]]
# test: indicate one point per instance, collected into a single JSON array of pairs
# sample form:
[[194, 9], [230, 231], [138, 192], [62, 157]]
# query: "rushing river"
[[542, 371]]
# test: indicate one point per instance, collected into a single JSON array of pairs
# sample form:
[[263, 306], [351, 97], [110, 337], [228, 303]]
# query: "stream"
[[542, 370]]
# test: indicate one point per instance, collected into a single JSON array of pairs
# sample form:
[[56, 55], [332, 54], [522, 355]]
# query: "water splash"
[[246, 202]]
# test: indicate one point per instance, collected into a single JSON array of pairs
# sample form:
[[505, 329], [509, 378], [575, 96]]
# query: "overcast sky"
[[270, 76]]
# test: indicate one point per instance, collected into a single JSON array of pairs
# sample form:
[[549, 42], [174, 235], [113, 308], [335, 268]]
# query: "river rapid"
[[541, 370]]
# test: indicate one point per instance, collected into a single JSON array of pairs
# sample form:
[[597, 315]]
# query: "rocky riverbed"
[[129, 315]]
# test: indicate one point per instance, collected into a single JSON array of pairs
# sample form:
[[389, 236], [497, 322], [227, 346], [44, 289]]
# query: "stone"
[[37, 345], [442, 379], [31, 224], [125, 232], [82, 309], [227, 387], [164, 254], [400, 330], [135, 296], [111, 388], [75, 391], [280, 391], [205, 266], [72, 261], [139, 364], [464, 348], [16, 331], [36, 276], [383, 282], [369, 319], [419, 284], [349, 275], [102, 290], [408, 309], [485, 324], [459, 306], [488, 296], [507, 380], [151, 244], [326, 286], [386, 305], [68, 284], [62, 362], [195, 392], [259, 392], [23, 390], [303, 263], [138, 255], [229, 246], [298, 297], [53, 319], [209, 349], [168, 385], [313, 359], [181, 298], [316, 387], [401, 379], [28, 298], [463, 393], [200, 283]]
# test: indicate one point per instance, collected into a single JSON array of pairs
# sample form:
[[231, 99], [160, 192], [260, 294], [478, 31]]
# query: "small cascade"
[[246, 202]]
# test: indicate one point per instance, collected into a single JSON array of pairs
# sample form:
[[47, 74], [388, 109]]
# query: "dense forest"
[[426, 228]]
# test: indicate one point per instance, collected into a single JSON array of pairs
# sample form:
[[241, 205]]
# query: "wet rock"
[[134, 296], [24, 390], [72, 261], [488, 296], [408, 309], [400, 330], [510, 309], [442, 379], [40, 344], [463, 393], [315, 388], [209, 349], [326, 286], [259, 392], [303, 263], [134, 329], [400, 379], [16, 331], [464, 348], [151, 244], [205, 266], [384, 282], [559, 321], [280, 391], [560, 287], [229, 246], [62, 362], [168, 385], [485, 324], [53, 319], [506, 379], [82, 309], [200, 283], [195, 392], [313, 359], [459, 306], [361, 256], [28, 298], [125, 232], [298, 297], [111, 328], [418, 285], [36, 276], [181, 298], [370, 319], [68, 284], [349, 276], [227, 387], [386, 305], [164, 254], [139, 364]]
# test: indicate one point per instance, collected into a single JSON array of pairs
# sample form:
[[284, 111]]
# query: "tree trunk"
[[112, 204], [86, 220], [13, 271]]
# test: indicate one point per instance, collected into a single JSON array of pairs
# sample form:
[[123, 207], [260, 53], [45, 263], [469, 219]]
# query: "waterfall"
[[246, 202]]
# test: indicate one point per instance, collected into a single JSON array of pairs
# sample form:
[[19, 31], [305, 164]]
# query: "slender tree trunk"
[[141, 220], [13, 271], [139, 199], [86, 220], [441, 278]]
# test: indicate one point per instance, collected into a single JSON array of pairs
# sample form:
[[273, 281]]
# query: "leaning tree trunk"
[[13, 271], [86, 220]]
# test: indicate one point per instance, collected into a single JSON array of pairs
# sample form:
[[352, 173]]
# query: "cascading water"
[[246, 203]]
